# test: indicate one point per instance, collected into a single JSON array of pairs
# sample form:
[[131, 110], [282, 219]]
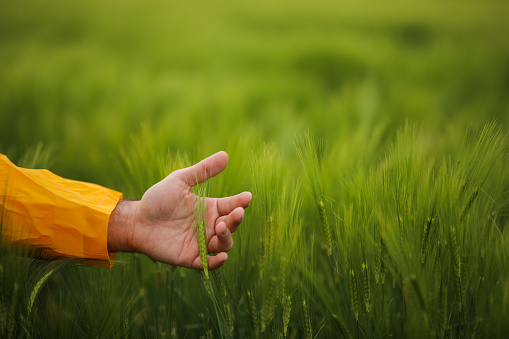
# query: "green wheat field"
[[373, 136]]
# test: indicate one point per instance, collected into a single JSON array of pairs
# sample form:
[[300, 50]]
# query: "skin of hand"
[[162, 224]]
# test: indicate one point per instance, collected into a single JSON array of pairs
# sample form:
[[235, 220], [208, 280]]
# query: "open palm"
[[164, 219]]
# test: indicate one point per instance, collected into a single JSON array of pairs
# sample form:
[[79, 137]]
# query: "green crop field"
[[373, 136]]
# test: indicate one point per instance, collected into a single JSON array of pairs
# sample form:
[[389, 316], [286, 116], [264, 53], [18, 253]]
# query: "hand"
[[162, 224]]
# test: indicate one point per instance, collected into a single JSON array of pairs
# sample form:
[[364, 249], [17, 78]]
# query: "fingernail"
[[225, 232]]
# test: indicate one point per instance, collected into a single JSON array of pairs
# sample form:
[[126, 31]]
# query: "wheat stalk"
[[267, 309], [341, 326], [469, 203], [12, 312], [228, 314]]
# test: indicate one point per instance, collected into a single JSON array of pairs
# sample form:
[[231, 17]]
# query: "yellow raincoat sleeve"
[[56, 216]]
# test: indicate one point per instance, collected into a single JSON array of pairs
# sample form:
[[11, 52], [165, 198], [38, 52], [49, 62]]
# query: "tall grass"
[[419, 247]]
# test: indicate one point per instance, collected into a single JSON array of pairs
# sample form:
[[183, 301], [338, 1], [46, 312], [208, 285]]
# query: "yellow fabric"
[[61, 217]]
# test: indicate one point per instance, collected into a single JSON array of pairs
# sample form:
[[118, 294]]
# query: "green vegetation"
[[373, 137]]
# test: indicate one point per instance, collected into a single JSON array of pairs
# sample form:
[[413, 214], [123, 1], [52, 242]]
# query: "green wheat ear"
[[200, 213], [308, 331], [125, 328], [353, 294], [380, 262], [287, 307], [365, 281], [425, 239], [202, 244], [36, 290], [325, 225], [253, 312]]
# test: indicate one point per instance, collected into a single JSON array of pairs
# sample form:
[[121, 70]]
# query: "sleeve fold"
[[59, 217]]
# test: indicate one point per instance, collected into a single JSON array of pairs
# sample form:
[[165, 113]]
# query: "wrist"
[[121, 227]]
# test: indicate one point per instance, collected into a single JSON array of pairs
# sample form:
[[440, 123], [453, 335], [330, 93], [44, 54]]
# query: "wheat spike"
[[425, 240], [36, 290], [200, 213], [228, 317], [308, 331], [325, 225], [353, 294], [125, 328], [367, 294], [202, 244], [253, 313], [272, 237], [282, 281], [287, 307], [261, 255], [377, 263]]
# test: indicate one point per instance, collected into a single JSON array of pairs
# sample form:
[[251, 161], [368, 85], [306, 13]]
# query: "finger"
[[228, 204], [222, 241], [217, 261], [234, 219], [214, 261], [205, 169]]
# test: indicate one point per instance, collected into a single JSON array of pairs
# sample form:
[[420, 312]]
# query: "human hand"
[[162, 224]]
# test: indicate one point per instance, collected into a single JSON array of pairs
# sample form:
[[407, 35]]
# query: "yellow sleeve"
[[57, 216]]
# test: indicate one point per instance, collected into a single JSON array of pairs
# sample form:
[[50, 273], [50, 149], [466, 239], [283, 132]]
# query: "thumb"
[[204, 170]]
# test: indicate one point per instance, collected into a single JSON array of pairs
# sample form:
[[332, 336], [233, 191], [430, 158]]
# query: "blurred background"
[[83, 78]]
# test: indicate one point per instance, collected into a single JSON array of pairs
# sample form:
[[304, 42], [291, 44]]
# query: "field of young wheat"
[[374, 138]]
